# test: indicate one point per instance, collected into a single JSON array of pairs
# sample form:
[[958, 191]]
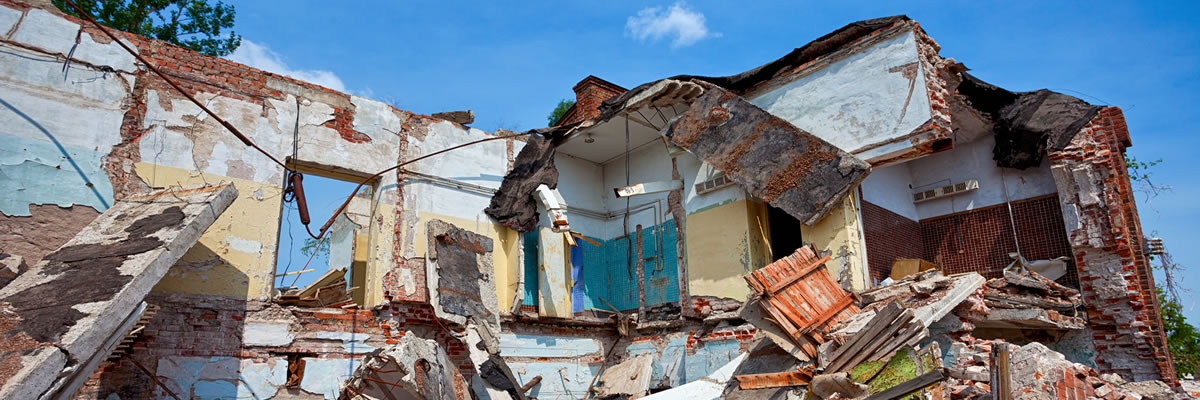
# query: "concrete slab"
[[772, 159], [61, 311]]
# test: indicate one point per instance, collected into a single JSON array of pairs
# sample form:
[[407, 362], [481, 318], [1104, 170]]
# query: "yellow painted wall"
[[725, 243], [236, 255], [505, 250], [839, 233]]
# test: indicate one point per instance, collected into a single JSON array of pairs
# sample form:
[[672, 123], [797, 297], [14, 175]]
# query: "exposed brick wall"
[[210, 326], [889, 236], [589, 93], [980, 240], [1106, 238]]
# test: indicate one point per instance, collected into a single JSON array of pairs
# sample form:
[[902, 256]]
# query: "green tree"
[[1182, 338], [194, 24], [310, 246], [559, 111]]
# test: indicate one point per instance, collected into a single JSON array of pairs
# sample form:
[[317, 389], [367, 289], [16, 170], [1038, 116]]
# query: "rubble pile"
[[1025, 300], [916, 335]]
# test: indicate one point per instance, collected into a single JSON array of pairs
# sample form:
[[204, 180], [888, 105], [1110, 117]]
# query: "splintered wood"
[[802, 297]]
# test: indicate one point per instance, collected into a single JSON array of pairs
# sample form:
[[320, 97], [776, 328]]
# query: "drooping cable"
[[245, 140], [295, 178]]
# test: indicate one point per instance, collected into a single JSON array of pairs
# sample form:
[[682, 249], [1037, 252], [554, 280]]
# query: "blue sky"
[[511, 62]]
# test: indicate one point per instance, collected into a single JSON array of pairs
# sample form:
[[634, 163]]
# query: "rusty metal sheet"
[[772, 159]]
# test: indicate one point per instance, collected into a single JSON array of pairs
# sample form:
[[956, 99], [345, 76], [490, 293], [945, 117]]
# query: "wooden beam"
[[295, 272], [1001, 383]]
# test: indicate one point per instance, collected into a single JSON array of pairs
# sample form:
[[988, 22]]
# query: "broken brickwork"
[[1106, 237], [589, 93]]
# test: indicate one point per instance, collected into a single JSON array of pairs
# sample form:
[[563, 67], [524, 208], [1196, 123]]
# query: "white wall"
[[648, 164], [973, 160], [862, 99], [891, 188], [579, 182], [482, 164]]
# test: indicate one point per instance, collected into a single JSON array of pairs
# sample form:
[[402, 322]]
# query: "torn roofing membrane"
[[1027, 123]]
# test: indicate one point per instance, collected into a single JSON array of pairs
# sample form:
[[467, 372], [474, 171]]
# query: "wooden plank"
[[846, 301], [798, 275], [873, 344], [773, 380], [910, 386], [877, 324]]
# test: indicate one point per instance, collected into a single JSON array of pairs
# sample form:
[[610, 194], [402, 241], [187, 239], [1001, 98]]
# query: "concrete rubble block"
[[462, 117], [1151, 390], [460, 274], [629, 378], [413, 368], [75, 300], [10, 266], [772, 159], [827, 385]]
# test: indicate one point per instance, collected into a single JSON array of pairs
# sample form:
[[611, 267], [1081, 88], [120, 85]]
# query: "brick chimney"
[[589, 93]]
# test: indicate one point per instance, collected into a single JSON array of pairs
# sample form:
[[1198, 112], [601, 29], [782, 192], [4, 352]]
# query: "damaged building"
[[812, 224]]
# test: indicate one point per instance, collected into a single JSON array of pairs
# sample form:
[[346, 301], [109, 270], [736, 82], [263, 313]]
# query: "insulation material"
[[514, 205], [772, 159], [1027, 123], [65, 309]]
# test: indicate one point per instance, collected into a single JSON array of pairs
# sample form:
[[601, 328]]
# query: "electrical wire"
[[152, 68], [246, 140]]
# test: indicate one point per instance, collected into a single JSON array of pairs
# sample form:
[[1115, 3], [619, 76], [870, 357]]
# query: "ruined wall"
[[1106, 237], [973, 160], [54, 171], [864, 98], [567, 358], [214, 347]]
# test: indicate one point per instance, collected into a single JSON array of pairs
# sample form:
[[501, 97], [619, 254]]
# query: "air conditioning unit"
[[943, 191], [715, 183]]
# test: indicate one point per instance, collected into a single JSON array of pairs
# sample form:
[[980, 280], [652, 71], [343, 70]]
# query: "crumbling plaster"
[[862, 102]]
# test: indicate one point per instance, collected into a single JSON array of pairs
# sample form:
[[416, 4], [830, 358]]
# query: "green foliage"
[[310, 245], [194, 24], [1182, 338], [559, 111], [1139, 170]]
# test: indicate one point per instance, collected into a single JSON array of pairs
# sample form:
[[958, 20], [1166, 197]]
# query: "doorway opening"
[[785, 233]]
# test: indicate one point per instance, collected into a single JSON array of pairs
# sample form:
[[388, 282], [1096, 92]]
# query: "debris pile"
[[327, 291], [1025, 300], [880, 346]]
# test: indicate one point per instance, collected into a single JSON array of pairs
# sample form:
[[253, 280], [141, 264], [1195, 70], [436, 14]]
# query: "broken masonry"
[[860, 218]]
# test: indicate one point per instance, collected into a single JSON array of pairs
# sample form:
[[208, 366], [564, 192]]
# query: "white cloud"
[[678, 21], [261, 57]]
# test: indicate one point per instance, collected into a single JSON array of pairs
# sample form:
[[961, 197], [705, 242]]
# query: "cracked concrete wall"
[[483, 167], [58, 125]]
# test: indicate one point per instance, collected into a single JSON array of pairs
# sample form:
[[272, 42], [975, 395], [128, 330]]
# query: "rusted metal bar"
[[773, 380], [532, 382]]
